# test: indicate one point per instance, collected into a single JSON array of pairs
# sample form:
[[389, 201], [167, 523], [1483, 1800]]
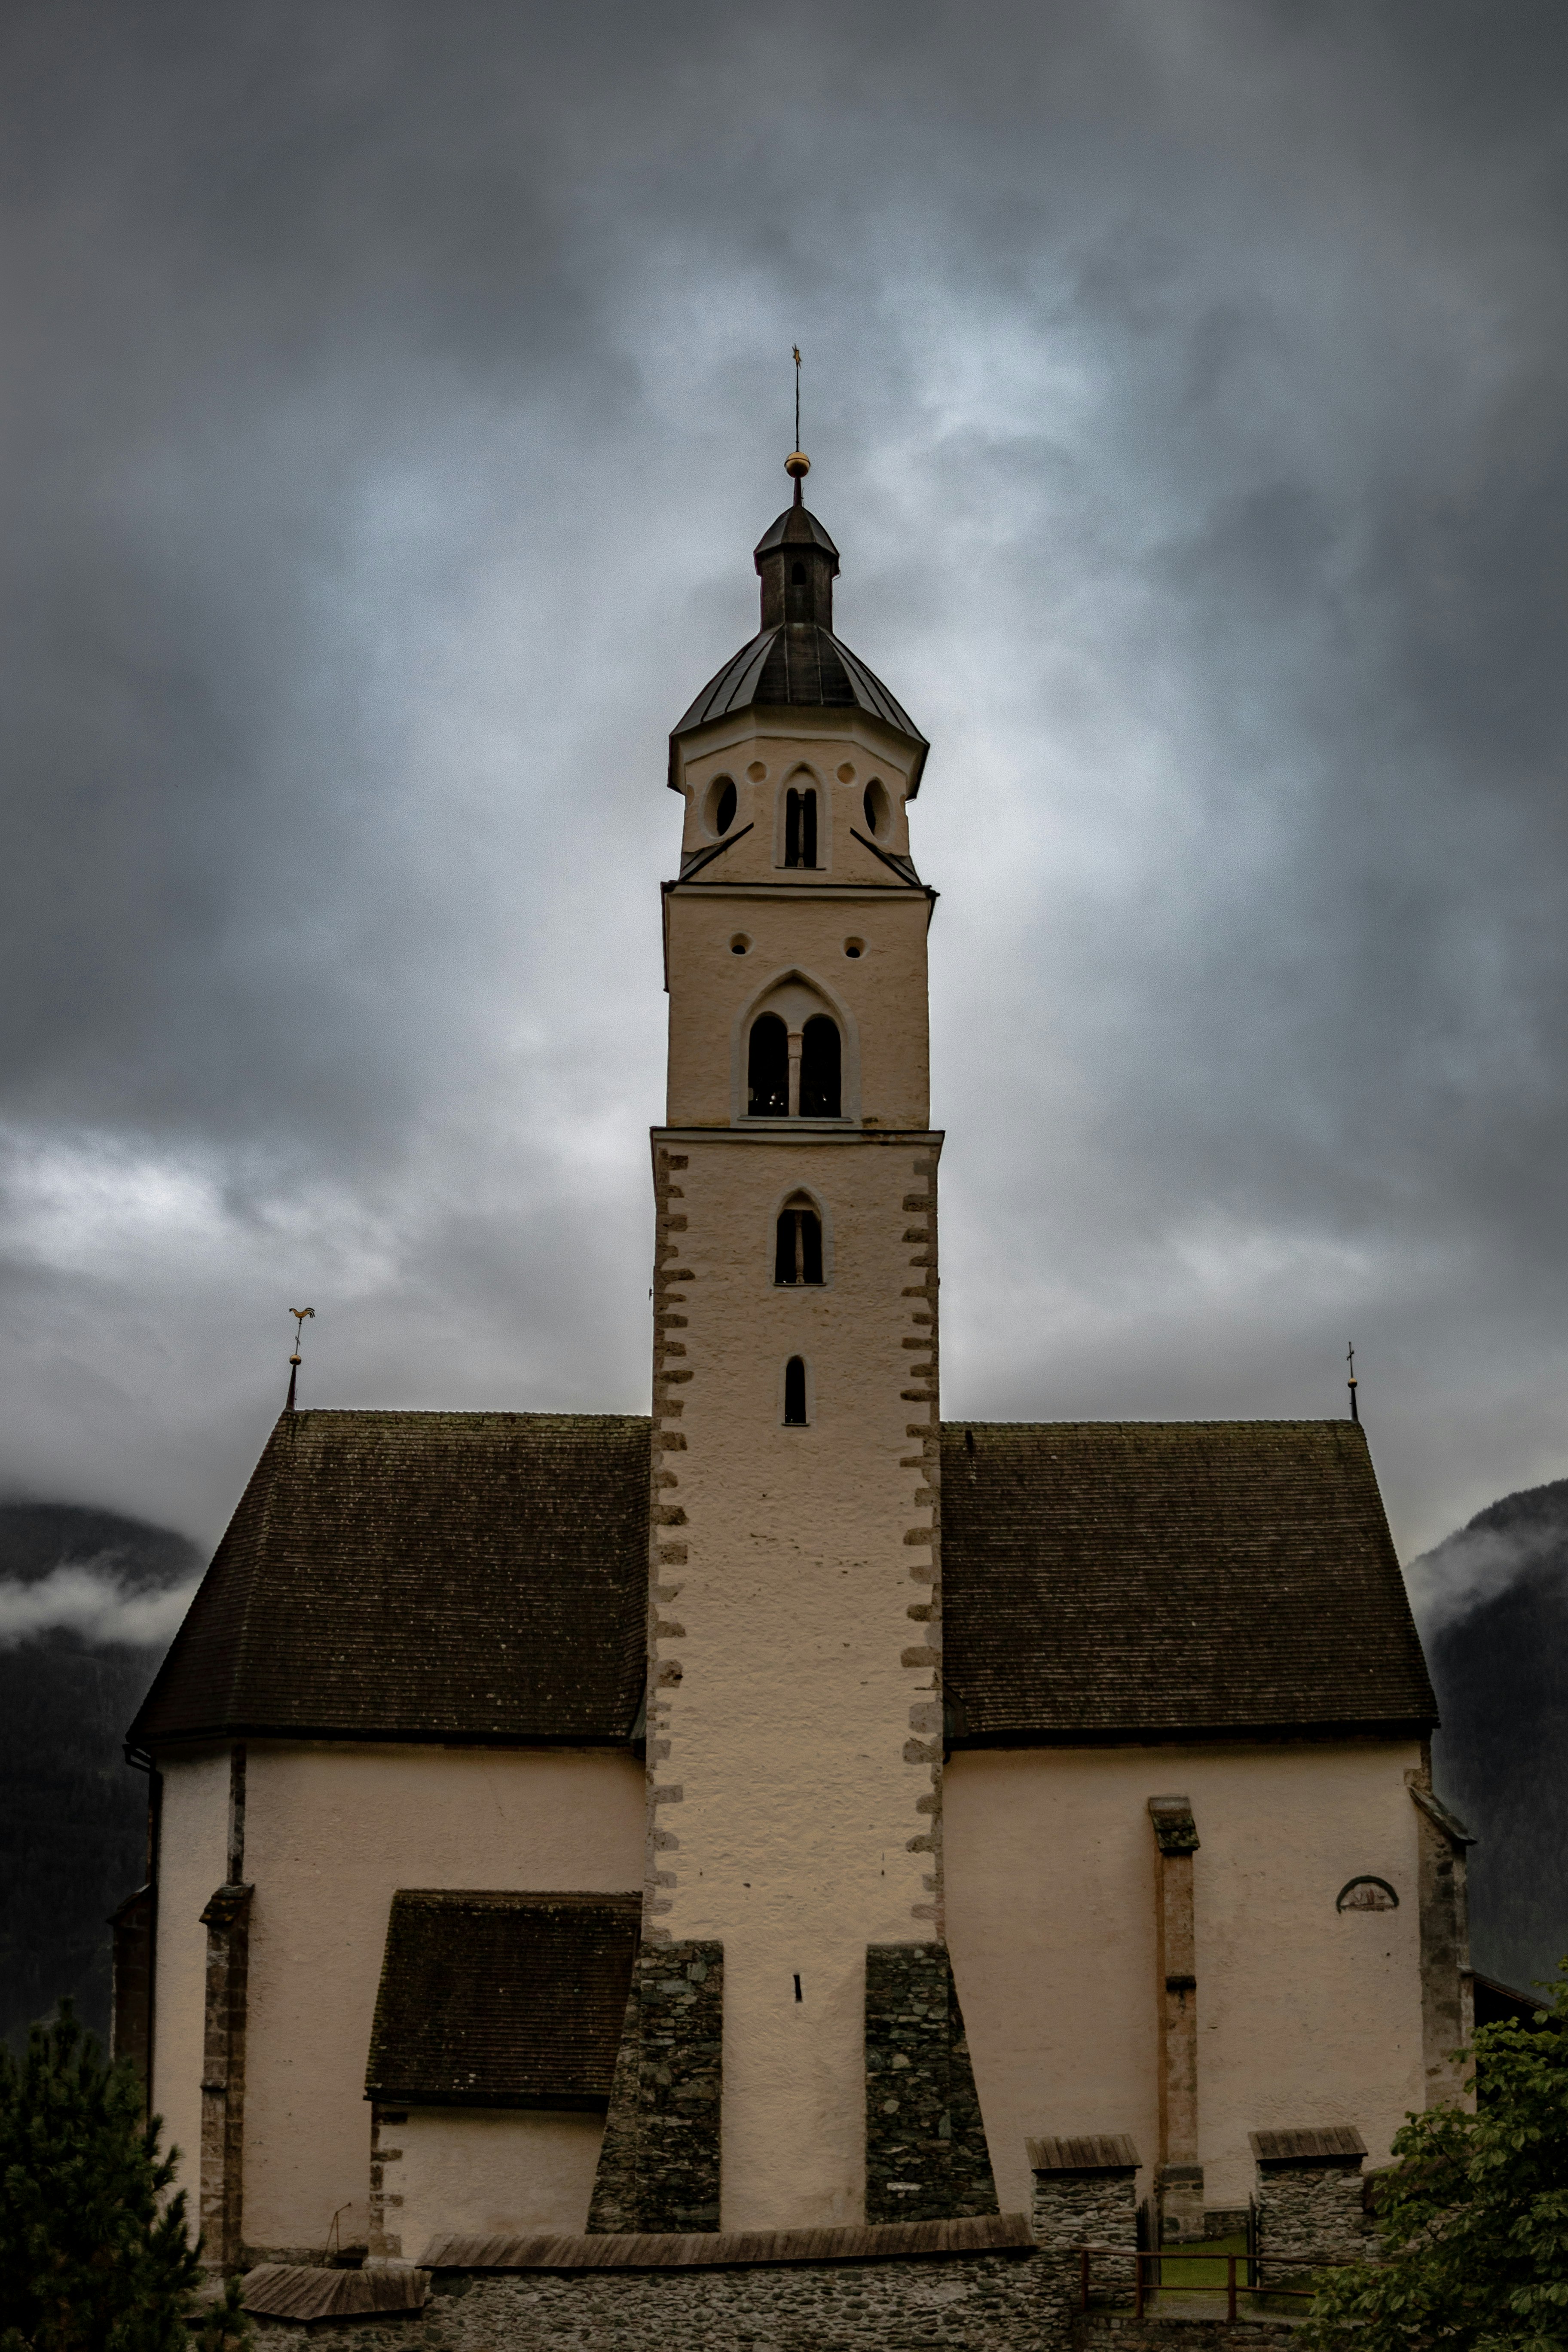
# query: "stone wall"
[[926, 2158], [659, 2164], [1310, 2213], [978, 2303]]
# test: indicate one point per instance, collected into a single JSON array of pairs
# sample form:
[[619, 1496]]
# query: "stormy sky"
[[392, 395]]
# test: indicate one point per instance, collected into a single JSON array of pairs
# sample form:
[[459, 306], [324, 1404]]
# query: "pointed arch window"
[[821, 1068], [767, 1068], [797, 1246], [800, 825], [794, 1394]]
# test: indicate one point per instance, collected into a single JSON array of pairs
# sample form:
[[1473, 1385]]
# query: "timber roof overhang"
[[1130, 1581]]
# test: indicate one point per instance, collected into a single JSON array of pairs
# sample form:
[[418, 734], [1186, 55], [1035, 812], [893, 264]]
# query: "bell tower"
[[794, 2057]]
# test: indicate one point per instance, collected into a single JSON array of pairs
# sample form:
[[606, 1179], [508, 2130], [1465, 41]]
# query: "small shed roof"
[[501, 2000]]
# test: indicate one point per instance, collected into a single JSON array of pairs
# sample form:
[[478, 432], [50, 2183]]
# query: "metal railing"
[[1251, 2282]]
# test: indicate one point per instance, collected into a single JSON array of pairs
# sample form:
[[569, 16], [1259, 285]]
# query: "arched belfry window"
[[767, 1068], [794, 1394], [821, 1066], [797, 1248], [797, 596], [800, 825]]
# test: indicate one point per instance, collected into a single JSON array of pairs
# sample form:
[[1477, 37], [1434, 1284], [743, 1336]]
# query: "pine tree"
[[91, 2258]]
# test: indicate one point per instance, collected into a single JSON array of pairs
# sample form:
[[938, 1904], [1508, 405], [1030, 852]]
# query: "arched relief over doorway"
[[796, 999]]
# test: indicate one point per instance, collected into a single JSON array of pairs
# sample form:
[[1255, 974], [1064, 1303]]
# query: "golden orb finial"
[[797, 464]]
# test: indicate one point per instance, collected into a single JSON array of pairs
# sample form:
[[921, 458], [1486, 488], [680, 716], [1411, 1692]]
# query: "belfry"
[[795, 1696], [787, 1827]]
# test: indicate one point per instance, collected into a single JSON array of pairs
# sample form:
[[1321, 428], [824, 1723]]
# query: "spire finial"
[[1350, 1383], [301, 1315], [797, 464]]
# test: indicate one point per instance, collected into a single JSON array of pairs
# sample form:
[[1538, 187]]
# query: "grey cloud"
[[85, 1598], [393, 398]]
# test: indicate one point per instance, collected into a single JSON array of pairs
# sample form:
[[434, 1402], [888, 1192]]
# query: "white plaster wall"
[[884, 990], [193, 1860], [821, 742], [488, 2172], [331, 1834], [1306, 2015], [788, 1626]]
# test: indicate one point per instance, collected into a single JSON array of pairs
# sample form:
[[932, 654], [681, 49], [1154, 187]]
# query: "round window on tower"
[[718, 806], [878, 808]]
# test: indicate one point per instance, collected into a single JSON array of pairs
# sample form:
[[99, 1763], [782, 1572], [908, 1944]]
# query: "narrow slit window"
[[797, 1249], [797, 596], [821, 1061], [767, 1068], [800, 825], [794, 1392]]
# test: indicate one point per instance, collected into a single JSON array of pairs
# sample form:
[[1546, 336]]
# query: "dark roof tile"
[[501, 2000], [458, 1576], [1148, 1580]]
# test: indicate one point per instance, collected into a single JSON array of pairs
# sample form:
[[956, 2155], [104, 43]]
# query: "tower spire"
[[797, 464]]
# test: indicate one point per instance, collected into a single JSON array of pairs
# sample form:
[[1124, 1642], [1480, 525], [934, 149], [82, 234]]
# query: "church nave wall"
[[331, 1834], [1307, 2014]]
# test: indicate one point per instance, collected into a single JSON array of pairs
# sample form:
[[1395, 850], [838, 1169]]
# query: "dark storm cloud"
[[391, 399]]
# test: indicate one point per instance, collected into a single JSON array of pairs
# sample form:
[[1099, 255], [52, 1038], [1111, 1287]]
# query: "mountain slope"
[[73, 1825], [1493, 1605]]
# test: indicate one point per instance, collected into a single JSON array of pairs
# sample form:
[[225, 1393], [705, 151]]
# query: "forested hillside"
[[73, 1824], [1493, 1601]]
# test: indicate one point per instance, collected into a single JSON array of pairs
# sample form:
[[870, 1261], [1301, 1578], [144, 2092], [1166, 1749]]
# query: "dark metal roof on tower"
[[795, 661]]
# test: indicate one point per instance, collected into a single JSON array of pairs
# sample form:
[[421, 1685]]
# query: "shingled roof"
[[1149, 1579], [481, 1577], [501, 2001], [452, 1576]]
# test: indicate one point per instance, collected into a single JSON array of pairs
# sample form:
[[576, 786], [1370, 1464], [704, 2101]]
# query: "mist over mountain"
[[88, 1601], [1492, 1604]]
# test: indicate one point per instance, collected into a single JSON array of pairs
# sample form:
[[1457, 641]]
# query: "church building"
[[788, 1810]]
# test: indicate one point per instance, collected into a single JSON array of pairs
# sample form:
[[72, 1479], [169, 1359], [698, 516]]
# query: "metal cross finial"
[[1350, 1383]]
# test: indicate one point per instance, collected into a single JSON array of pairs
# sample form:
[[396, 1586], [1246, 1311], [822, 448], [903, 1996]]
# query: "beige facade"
[[331, 1832], [1307, 2014], [795, 1734], [488, 2172]]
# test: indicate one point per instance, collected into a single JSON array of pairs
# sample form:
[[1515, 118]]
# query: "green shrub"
[[1472, 2218]]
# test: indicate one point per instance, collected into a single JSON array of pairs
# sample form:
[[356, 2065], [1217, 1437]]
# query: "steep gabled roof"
[[481, 1577], [1155, 1580], [450, 1576]]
